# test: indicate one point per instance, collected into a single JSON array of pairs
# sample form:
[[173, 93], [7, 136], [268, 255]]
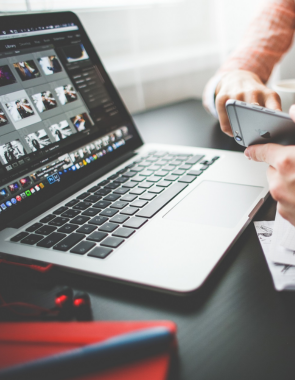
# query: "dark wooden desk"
[[237, 327]]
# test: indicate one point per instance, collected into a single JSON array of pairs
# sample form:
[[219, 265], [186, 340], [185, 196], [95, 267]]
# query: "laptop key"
[[59, 221], [195, 172], [19, 236], [70, 213], [122, 171], [93, 198], [93, 189], [119, 205], [91, 211], [129, 174], [153, 179], [100, 252], [112, 185], [83, 196], [121, 180], [128, 198], [146, 173], [103, 192], [185, 167], [68, 228], [45, 230], [82, 247], [47, 218], [187, 178], [32, 239], [111, 197], [135, 222], [145, 185], [178, 172], [112, 242], [137, 191], [97, 236], [171, 178], [103, 183], [80, 220], [102, 204], [161, 173], [86, 229], [114, 176], [69, 242], [123, 232], [148, 196], [60, 210], [108, 227], [129, 211], [98, 220], [153, 207], [165, 183], [168, 168], [72, 203], [50, 240], [34, 227], [82, 206], [119, 218], [193, 160], [156, 190], [138, 203], [121, 191], [130, 184], [109, 212]]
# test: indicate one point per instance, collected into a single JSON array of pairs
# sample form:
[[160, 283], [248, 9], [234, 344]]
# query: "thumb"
[[292, 112]]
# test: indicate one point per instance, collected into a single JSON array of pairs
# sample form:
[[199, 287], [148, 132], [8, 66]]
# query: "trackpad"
[[215, 204]]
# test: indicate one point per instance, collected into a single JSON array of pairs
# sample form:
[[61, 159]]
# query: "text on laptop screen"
[[56, 113]]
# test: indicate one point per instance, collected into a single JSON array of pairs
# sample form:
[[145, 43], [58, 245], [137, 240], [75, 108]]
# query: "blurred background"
[[160, 51]]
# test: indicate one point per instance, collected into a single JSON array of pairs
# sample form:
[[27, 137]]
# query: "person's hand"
[[245, 86], [280, 174]]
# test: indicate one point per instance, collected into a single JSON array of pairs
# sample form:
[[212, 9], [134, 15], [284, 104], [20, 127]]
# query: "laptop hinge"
[[33, 213]]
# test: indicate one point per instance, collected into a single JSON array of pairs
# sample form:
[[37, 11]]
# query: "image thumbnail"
[[38, 140], [14, 187], [81, 122], [20, 109], [6, 76], [3, 118], [27, 70], [50, 65], [61, 130], [44, 101], [11, 151], [75, 53], [66, 94]]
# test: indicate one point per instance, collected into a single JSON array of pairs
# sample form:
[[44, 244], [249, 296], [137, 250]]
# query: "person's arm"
[[244, 74], [280, 174]]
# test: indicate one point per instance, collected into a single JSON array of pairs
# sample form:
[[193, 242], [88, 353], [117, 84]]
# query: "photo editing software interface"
[[52, 95]]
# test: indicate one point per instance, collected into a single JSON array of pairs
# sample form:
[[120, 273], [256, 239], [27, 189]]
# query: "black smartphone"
[[252, 124]]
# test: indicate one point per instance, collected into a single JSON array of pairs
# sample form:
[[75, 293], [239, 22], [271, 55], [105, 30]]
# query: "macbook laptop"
[[79, 188]]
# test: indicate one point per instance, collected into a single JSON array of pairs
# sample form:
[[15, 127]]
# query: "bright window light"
[[37, 5]]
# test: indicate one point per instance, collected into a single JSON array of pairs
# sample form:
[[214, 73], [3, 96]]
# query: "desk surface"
[[237, 326]]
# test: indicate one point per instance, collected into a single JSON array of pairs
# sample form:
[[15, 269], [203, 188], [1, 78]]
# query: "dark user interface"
[[52, 96]]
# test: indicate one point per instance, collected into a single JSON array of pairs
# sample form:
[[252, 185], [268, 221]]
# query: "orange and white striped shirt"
[[267, 38]]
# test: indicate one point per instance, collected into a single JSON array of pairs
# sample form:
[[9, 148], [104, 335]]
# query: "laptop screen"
[[59, 112]]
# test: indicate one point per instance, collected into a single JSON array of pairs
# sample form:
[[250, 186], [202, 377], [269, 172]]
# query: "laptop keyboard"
[[107, 214]]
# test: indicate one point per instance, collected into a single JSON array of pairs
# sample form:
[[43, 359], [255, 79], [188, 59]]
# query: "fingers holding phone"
[[244, 86]]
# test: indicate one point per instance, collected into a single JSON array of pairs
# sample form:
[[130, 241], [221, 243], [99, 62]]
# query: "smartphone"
[[252, 124]]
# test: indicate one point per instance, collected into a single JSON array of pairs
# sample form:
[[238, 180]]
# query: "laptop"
[[79, 188]]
